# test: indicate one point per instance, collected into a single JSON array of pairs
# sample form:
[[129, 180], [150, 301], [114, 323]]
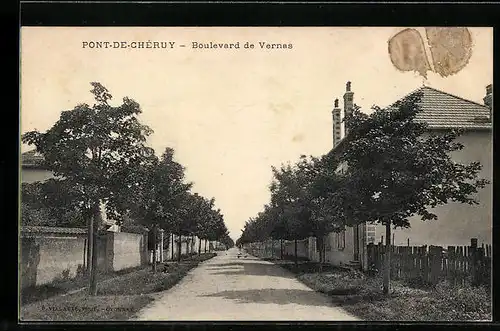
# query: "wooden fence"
[[276, 248], [457, 264]]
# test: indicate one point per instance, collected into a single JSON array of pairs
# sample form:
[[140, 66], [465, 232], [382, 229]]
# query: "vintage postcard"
[[256, 174]]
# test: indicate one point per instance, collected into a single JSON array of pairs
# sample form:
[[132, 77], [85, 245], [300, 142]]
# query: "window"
[[340, 240]]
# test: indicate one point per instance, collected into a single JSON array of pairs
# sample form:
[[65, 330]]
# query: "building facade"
[[456, 222]]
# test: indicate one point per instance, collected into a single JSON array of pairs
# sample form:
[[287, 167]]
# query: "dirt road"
[[245, 289]]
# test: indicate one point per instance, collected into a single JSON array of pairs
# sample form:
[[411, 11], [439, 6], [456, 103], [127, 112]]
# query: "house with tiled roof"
[[33, 170], [456, 222]]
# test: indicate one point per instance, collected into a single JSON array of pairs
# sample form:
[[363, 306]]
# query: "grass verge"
[[362, 296], [62, 286], [118, 298]]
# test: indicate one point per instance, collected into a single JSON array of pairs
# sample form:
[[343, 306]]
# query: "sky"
[[230, 114]]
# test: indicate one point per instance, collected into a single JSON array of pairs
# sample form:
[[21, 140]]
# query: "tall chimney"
[[488, 99], [348, 104], [336, 123]]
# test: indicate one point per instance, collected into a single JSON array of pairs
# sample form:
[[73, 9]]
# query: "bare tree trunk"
[[154, 248], [199, 246], [387, 262], [90, 246], [172, 245], [205, 245], [93, 274], [321, 247], [179, 247], [296, 256], [281, 249]]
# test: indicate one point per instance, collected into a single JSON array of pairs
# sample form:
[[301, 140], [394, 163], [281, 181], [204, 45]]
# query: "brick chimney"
[[336, 123], [488, 99], [348, 103]]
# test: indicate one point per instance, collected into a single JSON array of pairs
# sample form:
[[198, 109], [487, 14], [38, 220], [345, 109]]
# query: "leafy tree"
[[227, 241], [323, 196], [398, 169], [159, 191], [94, 150], [204, 222], [50, 203], [183, 222], [34, 212], [289, 196], [218, 228]]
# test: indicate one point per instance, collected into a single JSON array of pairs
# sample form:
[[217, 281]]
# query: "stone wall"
[[48, 254], [45, 258]]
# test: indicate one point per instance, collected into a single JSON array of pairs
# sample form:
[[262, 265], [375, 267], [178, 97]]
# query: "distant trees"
[[227, 241], [394, 168], [302, 205], [99, 156], [158, 193]]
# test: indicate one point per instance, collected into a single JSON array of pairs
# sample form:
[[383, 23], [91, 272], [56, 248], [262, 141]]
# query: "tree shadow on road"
[[237, 263], [276, 296], [251, 269], [221, 265]]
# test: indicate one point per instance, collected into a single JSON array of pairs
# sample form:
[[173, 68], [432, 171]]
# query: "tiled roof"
[[442, 110], [50, 229]]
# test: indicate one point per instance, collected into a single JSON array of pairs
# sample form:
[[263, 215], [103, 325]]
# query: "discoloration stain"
[[273, 82], [451, 49], [407, 52], [297, 138], [282, 108], [188, 60]]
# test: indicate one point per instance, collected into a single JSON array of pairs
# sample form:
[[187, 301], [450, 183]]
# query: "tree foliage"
[[99, 156], [50, 203], [397, 168], [95, 150], [394, 168]]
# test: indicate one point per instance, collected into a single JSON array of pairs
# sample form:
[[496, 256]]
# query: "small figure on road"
[[239, 252]]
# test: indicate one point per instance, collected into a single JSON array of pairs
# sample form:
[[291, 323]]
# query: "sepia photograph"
[[255, 174]]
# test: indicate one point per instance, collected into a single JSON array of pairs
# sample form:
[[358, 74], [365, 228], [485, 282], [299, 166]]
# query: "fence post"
[[481, 265], [381, 256], [406, 262], [473, 259], [452, 264], [425, 262], [435, 257], [462, 254], [370, 261]]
